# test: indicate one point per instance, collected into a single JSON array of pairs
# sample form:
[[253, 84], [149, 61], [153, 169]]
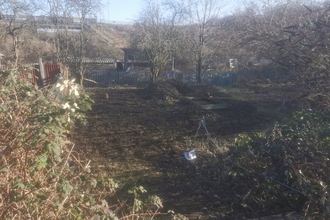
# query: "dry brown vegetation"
[[266, 147]]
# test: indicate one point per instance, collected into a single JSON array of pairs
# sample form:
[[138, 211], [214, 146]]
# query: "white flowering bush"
[[72, 99], [41, 176]]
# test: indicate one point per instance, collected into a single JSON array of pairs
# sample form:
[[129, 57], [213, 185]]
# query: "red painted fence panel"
[[32, 73], [51, 70]]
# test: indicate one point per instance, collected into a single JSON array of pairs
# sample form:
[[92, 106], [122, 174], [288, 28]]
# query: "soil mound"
[[165, 90]]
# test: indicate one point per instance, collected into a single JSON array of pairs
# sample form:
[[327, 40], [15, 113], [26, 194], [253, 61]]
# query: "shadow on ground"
[[138, 136]]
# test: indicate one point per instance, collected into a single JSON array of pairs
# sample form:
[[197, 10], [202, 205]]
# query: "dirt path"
[[138, 136]]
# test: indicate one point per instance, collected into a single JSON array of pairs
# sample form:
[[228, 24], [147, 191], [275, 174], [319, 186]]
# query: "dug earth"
[[138, 136]]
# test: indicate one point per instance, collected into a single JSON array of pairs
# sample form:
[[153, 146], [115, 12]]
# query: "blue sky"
[[128, 10], [124, 10]]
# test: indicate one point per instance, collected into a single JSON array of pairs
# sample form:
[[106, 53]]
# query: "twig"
[[67, 158], [142, 214], [307, 209], [93, 81], [154, 215]]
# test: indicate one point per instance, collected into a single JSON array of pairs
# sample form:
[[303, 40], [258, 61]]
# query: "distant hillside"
[[112, 38], [117, 34], [103, 41]]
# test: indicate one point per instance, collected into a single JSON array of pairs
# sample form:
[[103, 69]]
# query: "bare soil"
[[138, 136]]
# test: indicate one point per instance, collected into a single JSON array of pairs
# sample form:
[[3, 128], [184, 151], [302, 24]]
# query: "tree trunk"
[[199, 70], [81, 78], [152, 75], [16, 49], [81, 52]]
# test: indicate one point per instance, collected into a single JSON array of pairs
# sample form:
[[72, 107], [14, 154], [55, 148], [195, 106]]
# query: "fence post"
[[42, 72]]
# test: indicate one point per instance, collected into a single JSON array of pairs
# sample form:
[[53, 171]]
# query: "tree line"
[[23, 41], [291, 36], [201, 35]]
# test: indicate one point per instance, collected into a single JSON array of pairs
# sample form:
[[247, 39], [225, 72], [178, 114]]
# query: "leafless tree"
[[202, 18], [70, 45], [82, 9], [295, 37], [155, 35], [59, 21], [16, 23]]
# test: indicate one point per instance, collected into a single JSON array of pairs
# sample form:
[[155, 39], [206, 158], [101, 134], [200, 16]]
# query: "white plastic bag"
[[190, 155]]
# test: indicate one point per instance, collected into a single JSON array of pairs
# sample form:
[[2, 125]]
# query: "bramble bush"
[[41, 175], [287, 167]]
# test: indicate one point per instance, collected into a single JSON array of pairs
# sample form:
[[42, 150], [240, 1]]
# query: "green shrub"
[[288, 168], [41, 175]]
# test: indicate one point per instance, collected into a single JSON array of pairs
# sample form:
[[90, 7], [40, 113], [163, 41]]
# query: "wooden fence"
[[51, 71], [32, 73]]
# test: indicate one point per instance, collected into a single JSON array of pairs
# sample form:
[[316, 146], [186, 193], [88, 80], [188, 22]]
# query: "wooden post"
[[42, 73]]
